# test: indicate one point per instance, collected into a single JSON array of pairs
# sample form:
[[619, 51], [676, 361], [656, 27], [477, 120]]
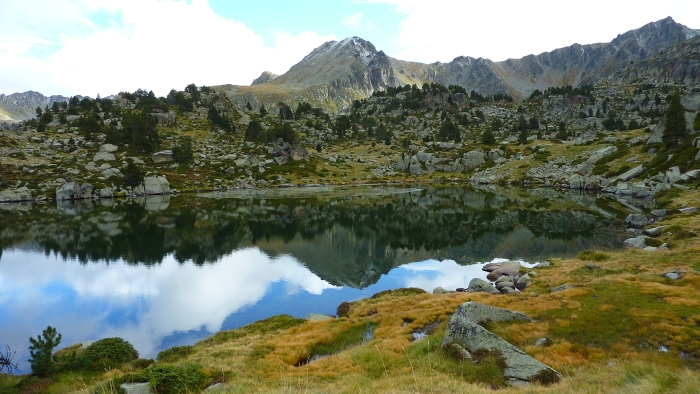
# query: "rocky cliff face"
[[586, 64], [678, 64], [21, 106]]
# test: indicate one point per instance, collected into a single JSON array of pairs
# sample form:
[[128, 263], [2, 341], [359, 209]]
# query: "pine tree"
[[675, 122], [41, 350]]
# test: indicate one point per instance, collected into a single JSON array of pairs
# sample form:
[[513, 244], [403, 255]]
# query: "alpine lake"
[[165, 271]]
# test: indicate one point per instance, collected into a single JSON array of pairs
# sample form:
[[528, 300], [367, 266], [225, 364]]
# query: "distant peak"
[[265, 77]]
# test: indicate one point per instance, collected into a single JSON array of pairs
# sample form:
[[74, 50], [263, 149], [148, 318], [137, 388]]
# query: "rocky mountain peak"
[[265, 77]]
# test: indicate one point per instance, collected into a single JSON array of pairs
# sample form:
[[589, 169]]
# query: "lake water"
[[161, 272]]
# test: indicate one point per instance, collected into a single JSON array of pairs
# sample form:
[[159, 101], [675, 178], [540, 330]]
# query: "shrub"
[[167, 379], [344, 309], [111, 351], [175, 353], [133, 174]]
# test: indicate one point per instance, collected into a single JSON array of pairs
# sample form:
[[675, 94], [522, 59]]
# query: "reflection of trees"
[[346, 240]]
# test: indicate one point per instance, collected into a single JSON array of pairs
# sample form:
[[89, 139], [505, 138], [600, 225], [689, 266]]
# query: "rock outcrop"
[[465, 335]]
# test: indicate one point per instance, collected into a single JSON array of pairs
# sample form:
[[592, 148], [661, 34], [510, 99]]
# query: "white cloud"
[[357, 21], [441, 30], [163, 300], [126, 45]]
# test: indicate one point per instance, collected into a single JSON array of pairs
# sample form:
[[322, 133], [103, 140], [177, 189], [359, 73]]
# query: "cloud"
[[126, 45], [357, 21], [150, 302], [441, 30]]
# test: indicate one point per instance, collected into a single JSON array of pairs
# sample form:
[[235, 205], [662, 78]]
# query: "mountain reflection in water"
[[165, 272]]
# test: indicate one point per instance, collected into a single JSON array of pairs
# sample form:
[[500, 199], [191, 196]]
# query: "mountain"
[[678, 64], [338, 72], [21, 106]]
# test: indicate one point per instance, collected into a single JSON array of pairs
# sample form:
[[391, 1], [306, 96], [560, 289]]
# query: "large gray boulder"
[[636, 242], [68, 191], [414, 166], [464, 332], [636, 220], [20, 194], [103, 156], [156, 185], [477, 285], [473, 158]]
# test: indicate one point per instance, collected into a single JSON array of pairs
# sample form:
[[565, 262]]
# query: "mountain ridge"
[[336, 73]]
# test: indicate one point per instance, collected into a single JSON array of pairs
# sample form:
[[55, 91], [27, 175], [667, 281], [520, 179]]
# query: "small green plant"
[[41, 351]]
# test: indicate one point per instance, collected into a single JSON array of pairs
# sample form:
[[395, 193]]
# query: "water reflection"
[[168, 272]]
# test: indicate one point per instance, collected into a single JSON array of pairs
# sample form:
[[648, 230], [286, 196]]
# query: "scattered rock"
[[543, 342], [440, 290], [108, 148], [592, 266], [103, 156], [318, 317], [136, 388], [464, 333], [163, 156], [477, 285], [16, 195], [653, 232], [636, 242], [674, 275], [688, 210], [560, 288], [636, 220], [156, 185]]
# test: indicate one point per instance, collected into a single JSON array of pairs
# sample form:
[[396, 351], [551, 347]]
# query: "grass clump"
[[590, 255], [175, 353]]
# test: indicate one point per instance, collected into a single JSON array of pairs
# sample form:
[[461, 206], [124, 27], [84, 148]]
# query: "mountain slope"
[[337, 72], [21, 106], [679, 64]]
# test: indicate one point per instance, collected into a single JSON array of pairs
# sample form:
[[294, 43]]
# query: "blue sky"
[[87, 47]]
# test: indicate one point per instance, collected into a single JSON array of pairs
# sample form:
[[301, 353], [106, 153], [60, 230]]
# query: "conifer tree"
[[675, 122], [41, 350]]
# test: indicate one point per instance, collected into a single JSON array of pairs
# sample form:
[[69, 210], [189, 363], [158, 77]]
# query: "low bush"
[[109, 352]]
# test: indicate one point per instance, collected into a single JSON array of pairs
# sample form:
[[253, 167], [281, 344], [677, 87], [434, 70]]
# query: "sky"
[[86, 47]]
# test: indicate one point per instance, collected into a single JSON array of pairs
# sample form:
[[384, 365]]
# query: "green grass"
[[275, 323], [590, 255], [344, 340]]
